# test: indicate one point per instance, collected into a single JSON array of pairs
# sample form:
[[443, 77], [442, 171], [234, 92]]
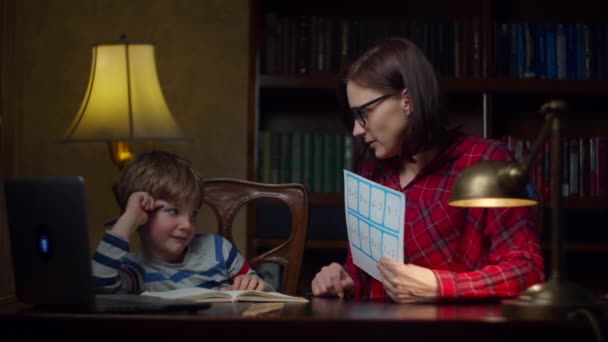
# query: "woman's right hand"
[[332, 280]]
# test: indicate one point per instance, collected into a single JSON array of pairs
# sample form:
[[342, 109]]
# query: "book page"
[[192, 293], [375, 216], [261, 296], [205, 295]]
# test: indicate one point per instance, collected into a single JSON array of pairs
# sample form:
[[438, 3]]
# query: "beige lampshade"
[[123, 100]]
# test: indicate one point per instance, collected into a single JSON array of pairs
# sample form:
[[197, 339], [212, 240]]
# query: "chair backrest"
[[226, 196]]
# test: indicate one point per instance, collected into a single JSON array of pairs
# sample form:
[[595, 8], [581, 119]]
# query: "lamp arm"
[[554, 110]]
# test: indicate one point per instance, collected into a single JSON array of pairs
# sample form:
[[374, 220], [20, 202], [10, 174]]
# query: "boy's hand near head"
[[246, 282], [137, 213]]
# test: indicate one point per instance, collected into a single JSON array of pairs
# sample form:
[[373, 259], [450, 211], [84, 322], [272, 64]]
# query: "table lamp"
[[504, 184], [124, 101]]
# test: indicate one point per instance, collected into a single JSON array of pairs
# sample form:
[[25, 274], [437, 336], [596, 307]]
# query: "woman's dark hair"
[[395, 64]]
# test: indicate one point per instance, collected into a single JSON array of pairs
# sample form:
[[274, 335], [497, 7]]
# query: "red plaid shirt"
[[474, 252]]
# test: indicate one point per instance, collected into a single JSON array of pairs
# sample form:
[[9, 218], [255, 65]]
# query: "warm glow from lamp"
[[124, 101], [494, 202]]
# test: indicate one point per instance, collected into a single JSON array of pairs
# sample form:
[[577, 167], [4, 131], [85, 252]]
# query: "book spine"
[[265, 157], [285, 158], [583, 179], [550, 40], [602, 166], [573, 161], [565, 167], [329, 163], [296, 157], [275, 157], [317, 162], [338, 176], [560, 45], [541, 51], [571, 51], [593, 167]]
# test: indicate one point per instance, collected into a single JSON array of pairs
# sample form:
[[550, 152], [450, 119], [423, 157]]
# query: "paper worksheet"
[[375, 216]]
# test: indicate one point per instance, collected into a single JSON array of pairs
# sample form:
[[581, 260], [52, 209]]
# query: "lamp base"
[[551, 300], [120, 153]]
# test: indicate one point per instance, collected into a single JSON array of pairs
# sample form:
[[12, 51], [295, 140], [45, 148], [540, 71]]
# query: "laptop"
[[48, 230]]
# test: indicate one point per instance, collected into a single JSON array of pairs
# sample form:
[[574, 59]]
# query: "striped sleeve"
[[229, 256], [109, 272], [234, 262]]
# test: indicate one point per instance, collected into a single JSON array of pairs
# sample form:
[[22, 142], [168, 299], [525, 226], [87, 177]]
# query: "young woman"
[[450, 252]]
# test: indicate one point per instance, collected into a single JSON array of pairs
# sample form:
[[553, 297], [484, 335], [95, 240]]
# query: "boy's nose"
[[186, 223]]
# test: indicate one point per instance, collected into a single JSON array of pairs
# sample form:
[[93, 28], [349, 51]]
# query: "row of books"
[[320, 44], [584, 165], [551, 50], [313, 159], [546, 50]]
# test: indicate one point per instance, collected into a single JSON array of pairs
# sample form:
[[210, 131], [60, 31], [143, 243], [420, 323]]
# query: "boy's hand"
[[246, 282], [137, 213]]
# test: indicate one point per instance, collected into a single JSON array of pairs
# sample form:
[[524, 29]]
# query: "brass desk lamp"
[[503, 184]]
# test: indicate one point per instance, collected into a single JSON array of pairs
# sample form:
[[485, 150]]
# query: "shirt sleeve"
[[235, 264], [514, 262], [110, 274]]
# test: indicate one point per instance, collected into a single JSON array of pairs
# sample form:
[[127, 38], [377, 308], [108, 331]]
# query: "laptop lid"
[[48, 230], [47, 222]]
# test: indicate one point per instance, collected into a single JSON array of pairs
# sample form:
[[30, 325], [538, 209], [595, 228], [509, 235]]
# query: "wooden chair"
[[226, 196]]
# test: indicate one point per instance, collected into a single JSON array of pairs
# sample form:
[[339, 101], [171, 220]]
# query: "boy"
[[159, 194]]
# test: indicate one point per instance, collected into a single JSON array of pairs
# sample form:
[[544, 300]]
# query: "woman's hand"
[[332, 280], [246, 282], [407, 283]]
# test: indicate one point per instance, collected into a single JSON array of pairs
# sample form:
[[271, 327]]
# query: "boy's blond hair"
[[163, 175]]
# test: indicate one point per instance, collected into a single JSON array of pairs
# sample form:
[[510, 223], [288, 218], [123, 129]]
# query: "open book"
[[200, 294]]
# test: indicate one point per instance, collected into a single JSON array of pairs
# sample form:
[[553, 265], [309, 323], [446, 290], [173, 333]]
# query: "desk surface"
[[322, 317]]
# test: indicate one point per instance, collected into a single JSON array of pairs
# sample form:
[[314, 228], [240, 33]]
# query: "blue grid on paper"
[[384, 230]]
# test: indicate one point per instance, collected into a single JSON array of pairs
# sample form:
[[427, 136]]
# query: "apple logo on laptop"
[[44, 244]]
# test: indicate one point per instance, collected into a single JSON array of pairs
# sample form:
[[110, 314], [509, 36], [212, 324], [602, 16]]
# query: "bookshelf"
[[493, 82]]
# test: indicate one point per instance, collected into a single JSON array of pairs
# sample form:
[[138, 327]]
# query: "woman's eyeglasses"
[[359, 113]]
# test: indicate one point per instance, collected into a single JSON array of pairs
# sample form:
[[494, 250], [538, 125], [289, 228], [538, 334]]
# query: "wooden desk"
[[322, 318]]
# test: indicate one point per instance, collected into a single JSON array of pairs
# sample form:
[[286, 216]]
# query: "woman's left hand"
[[407, 283]]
